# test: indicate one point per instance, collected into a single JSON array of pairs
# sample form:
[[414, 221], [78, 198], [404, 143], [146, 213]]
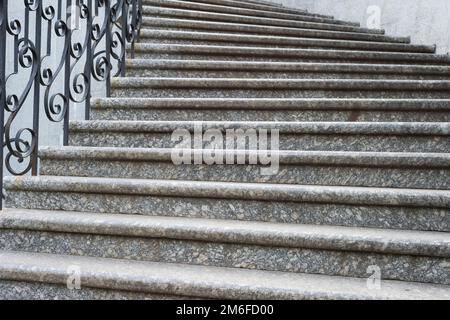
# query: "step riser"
[[208, 17], [21, 290], [180, 92], [154, 72], [302, 142], [180, 24], [300, 260], [390, 217], [305, 174], [179, 114], [169, 38]]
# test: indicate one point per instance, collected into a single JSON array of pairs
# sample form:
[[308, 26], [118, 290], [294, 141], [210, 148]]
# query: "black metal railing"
[[52, 52]]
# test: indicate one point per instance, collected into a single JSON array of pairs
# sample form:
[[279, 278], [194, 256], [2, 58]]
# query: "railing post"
[[3, 22], [124, 25], [37, 89], [108, 43], [68, 41], [89, 61]]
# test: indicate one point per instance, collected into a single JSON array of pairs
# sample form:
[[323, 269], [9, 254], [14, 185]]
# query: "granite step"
[[202, 37], [301, 136], [48, 272], [334, 251], [216, 109], [162, 87], [285, 70], [267, 6], [387, 208], [363, 169], [242, 29], [203, 7], [235, 53], [207, 17]]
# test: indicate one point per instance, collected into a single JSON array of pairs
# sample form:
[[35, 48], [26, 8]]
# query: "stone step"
[[301, 136], [284, 70], [391, 208], [155, 12], [158, 36], [363, 169], [334, 251], [267, 6], [145, 87], [203, 7], [217, 109], [146, 279], [239, 28], [235, 53]]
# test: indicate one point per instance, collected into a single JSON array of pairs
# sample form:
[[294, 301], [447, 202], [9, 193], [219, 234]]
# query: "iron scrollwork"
[[95, 36]]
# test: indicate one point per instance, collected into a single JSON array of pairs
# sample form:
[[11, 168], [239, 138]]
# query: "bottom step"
[[195, 281]]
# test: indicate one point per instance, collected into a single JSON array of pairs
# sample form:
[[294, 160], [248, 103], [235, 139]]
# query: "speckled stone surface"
[[271, 30], [426, 171], [167, 109], [201, 281], [278, 88], [247, 69], [387, 137], [230, 53], [233, 19], [294, 15], [20, 290], [341, 263], [370, 207]]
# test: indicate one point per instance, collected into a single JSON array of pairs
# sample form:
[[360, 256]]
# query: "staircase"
[[363, 180]]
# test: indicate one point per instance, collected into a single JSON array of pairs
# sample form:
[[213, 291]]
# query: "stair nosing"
[[213, 282], [354, 239]]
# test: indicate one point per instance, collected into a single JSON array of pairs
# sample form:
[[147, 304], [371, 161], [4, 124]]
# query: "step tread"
[[317, 127], [151, 35], [422, 243], [243, 11], [274, 104], [200, 281], [335, 158], [234, 190], [260, 84], [230, 17], [278, 30], [285, 66], [290, 52]]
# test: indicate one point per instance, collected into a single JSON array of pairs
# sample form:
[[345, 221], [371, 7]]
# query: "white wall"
[[426, 21]]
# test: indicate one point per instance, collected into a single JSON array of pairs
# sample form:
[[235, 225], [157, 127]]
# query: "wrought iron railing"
[[88, 39]]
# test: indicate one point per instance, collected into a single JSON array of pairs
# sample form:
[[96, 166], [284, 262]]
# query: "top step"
[[243, 11], [252, 6]]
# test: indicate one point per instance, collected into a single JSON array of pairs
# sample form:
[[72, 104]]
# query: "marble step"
[[251, 53], [284, 70], [300, 136], [184, 24], [414, 256], [387, 208], [48, 273], [159, 35], [162, 87], [204, 7], [207, 17], [371, 169], [217, 109]]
